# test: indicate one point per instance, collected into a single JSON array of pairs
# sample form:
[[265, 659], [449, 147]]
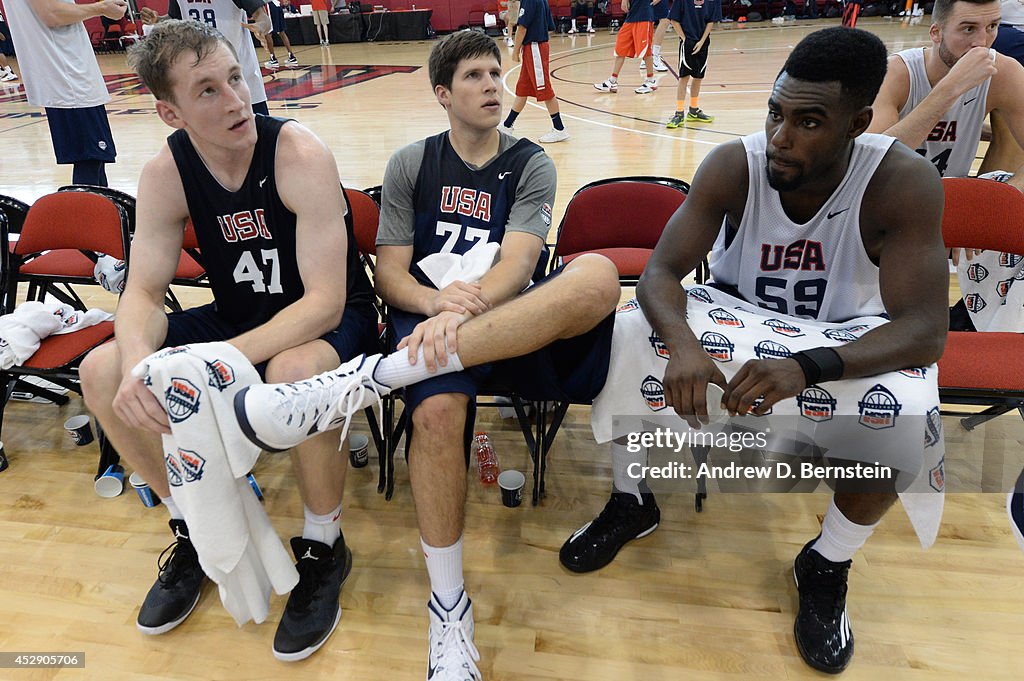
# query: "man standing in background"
[[6, 50], [62, 76]]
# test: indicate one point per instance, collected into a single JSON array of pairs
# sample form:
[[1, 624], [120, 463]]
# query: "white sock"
[[395, 371], [613, 79], [657, 51], [590, 23], [622, 458], [840, 538], [444, 566], [172, 508], [322, 528]]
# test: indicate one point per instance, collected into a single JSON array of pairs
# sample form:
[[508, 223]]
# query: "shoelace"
[[309, 582], [175, 565], [453, 637], [825, 590], [350, 403]]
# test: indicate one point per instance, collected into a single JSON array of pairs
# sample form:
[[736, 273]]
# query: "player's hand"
[[625, 6], [139, 408], [460, 298], [438, 336], [970, 70], [772, 379], [686, 384], [149, 16], [251, 26], [954, 254], [696, 48], [113, 9]]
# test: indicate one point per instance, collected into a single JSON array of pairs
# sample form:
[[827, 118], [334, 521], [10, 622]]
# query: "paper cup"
[[79, 429], [511, 484], [358, 450], [111, 483], [148, 497]]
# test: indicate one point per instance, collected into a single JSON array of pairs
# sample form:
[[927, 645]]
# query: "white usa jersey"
[[953, 142], [227, 16], [816, 270]]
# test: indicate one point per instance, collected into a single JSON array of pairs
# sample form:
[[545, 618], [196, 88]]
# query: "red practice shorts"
[[634, 39], [534, 80]]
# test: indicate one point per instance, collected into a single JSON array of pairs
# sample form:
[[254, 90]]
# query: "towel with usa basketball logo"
[[861, 417], [207, 459]]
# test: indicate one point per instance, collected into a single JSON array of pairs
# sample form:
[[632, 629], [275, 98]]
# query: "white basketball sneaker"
[[279, 416], [452, 656]]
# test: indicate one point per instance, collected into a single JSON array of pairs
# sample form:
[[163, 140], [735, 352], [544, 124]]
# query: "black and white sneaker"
[[176, 591], [313, 610], [822, 628], [598, 542]]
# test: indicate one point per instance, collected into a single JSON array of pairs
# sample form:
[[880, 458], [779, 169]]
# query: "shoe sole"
[[701, 122], [164, 628], [247, 429], [803, 653], [581, 570], [306, 652]]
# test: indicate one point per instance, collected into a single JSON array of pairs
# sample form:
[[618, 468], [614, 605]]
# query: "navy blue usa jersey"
[[457, 206]]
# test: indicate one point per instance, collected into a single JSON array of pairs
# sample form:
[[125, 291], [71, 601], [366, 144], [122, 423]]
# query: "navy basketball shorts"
[[356, 334], [81, 134]]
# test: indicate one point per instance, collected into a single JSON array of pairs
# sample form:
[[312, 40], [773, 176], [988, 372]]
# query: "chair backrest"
[[75, 220], [126, 201], [365, 220], [621, 212], [983, 214], [15, 212]]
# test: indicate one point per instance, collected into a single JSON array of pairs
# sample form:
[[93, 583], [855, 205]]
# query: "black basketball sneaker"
[[598, 542], [1015, 509], [176, 591], [822, 627]]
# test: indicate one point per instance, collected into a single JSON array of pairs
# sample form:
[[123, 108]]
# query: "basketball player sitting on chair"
[[808, 250], [288, 293], [469, 185], [934, 100]]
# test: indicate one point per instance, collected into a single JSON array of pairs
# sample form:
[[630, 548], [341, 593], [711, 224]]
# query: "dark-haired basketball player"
[[288, 292], [809, 247]]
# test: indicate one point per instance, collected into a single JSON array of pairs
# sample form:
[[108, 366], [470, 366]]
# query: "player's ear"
[[860, 121], [934, 33], [168, 113], [443, 95]]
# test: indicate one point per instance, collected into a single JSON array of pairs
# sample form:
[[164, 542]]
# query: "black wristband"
[[820, 365]]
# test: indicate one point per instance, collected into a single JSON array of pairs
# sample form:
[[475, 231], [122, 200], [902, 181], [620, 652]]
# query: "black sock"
[[89, 172], [556, 120], [511, 119]]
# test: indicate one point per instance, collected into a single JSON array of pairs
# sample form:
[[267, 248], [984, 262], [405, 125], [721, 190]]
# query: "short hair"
[[943, 7], [854, 58], [153, 57], [447, 54]]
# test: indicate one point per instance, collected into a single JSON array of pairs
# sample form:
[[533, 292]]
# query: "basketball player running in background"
[[634, 41], [288, 293], [231, 18], [531, 48]]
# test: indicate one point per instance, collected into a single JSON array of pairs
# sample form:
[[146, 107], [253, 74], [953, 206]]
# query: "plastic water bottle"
[[486, 458]]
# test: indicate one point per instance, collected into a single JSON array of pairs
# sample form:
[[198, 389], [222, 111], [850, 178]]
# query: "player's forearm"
[[57, 14], [914, 129], [901, 344], [506, 280], [398, 288], [663, 302], [301, 322], [140, 326]]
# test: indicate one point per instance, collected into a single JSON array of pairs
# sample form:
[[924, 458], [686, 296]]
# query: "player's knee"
[[294, 365], [100, 375], [602, 282], [440, 415]]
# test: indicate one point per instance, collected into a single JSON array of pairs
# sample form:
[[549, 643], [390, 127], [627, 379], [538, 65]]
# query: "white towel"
[[109, 273], [22, 331], [444, 268], [207, 459]]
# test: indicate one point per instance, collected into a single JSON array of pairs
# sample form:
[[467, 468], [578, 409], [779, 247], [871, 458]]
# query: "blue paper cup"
[[79, 430], [148, 497], [111, 483]]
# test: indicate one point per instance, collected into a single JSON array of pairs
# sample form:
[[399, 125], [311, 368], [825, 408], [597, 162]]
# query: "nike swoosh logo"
[[261, 182], [501, 176], [430, 672], [832, 215], [313, 430], [969, 101]]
